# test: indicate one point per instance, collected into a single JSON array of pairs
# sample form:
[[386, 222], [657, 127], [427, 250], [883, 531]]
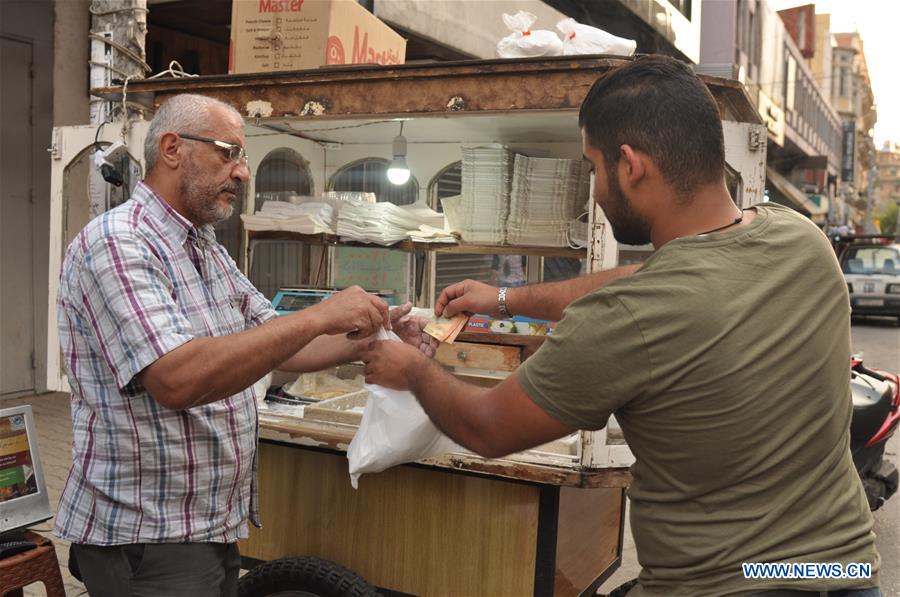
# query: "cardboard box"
[[273, 35], [517, 325]]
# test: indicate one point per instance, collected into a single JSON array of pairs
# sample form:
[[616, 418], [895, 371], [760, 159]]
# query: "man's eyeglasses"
[[233, 152]]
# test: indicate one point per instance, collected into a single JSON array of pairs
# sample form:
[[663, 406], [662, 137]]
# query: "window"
[[369, 175], [562, 268], [276, 264], [385, 270], [784, 77], [870, 260], [282, 171], [748, 32], [682, 6], [790, 80], [753, 40]]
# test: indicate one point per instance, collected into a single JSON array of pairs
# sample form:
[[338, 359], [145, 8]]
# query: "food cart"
[[545, 521]]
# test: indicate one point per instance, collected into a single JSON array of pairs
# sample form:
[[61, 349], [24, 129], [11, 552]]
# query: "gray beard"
[[200, 197]]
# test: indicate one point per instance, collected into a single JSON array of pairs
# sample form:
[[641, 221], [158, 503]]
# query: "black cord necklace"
[[736, 221]]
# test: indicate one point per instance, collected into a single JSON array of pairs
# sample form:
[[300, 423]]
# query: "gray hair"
[[184, 113]]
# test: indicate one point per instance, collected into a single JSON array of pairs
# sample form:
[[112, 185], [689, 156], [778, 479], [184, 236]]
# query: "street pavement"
[[878, 341]]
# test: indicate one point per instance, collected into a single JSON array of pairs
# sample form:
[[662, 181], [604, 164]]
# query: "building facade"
[[887, 182], [748, 41], [852, 96]]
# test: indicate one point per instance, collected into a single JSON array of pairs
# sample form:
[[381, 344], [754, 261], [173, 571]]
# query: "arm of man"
[[128, 298], [208, 369], [328, 351], [594, 364], [323, 352], [490, 422], [541, 301]]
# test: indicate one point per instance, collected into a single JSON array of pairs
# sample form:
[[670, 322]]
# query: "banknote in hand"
[[446, 329]]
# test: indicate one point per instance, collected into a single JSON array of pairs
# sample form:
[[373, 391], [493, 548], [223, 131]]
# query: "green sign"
[[372, 269], [12, 476]]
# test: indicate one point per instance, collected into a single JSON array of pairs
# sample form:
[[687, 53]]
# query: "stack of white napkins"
[[305, 217], [430, 234], [484, 204], [385, 223], [547, 195]]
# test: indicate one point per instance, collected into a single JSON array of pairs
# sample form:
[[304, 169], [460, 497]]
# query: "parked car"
[[871, 266]]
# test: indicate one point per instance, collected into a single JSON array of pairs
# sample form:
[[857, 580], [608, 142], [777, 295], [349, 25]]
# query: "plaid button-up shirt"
[[137, 282]]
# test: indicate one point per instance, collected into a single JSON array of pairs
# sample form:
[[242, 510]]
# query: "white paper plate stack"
[[384, 223], [484, 207], [306, 217], [547, 194]]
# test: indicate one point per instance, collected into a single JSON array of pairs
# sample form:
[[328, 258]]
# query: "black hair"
[[657, 105]]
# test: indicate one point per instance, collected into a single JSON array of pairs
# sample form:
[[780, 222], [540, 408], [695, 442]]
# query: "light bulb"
[[398, 171]]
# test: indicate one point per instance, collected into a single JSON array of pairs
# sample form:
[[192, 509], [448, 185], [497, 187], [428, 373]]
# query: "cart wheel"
[[303, 577]]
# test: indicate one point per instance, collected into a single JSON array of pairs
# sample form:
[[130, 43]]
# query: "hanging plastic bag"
[[584, 39], [525, 43], [394, 430]]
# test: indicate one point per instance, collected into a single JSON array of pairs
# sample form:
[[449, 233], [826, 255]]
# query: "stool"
[[35, 565]]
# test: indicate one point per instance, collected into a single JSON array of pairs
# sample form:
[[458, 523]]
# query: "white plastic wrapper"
[[453, 211], [584, 39], [525, 43], [259, 391], [394, 429]]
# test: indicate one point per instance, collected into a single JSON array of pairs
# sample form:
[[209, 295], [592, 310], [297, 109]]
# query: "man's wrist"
[[419, 371], [412, 378], [311, 320]]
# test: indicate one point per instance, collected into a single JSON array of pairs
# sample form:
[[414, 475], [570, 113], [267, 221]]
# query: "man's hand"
[[353, 311], [409, 329], [467, 296], [391, 364]]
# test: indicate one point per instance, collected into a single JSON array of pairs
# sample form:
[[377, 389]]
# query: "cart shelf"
[[299, 432], [406, 245]]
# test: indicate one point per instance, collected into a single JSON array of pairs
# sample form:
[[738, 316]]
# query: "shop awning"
[[795, 195]]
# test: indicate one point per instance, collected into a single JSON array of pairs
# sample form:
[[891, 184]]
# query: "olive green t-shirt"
[[726, 362]]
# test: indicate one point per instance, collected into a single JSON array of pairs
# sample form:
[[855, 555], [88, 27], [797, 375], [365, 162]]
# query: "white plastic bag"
[[394, 430], [525, 43], [584, 39]]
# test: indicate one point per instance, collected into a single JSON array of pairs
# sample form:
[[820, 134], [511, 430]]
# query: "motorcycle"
[[876, 414]]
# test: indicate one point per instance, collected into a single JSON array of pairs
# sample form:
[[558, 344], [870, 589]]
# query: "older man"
[[163, 338]]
